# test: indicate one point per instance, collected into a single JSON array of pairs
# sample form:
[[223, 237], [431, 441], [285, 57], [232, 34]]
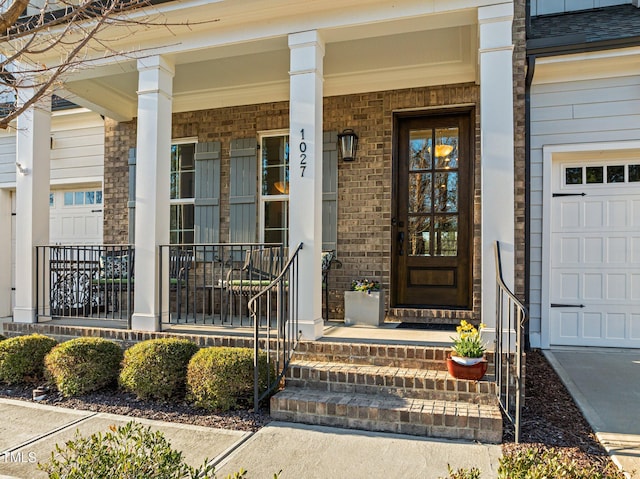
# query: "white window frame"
[[263, 199], [184, 201]]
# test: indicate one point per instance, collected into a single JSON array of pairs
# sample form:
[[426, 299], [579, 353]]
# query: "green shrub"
[[221, 378], [462, 473], [2, 337], [546, 463], [130, 451], [82, 365], [157, 368], [22, 358]]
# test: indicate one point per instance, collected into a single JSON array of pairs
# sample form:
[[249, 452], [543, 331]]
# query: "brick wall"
[[364, 186], [119, 138], [519, 62]]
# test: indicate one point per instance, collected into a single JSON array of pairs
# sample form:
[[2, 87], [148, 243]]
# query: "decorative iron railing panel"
[[511, 316], [85, 281], [274, 312]]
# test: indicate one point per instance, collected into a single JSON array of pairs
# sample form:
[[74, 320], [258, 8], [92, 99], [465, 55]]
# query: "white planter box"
[[364, 308]]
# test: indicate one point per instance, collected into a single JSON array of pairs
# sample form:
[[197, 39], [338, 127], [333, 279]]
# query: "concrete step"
[[388, 381], [414, 416], [389, 355]]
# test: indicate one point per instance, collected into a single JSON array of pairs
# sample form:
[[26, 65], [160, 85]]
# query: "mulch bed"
[[118, 402], [550, 419]]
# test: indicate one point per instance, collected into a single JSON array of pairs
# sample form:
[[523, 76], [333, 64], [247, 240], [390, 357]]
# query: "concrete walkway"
[[29, 432], [606, 386]]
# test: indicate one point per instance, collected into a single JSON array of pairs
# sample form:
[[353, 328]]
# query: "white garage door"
[[595, 254], [75, 216]]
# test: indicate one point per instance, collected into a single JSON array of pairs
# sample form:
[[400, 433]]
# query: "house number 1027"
[[302, 147]]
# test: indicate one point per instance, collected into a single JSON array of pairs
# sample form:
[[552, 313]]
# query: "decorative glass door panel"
[[431, 226]]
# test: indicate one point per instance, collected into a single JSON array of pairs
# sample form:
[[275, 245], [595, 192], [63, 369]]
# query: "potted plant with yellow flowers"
[[466, 360]]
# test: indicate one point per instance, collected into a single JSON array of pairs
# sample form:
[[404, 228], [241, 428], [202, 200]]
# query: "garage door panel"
[[593, 286], [595, 258], [568, 251], [567, 323], [635, 287], [634, 327], [595, 327], [635, 249], [570, 215], [565, 286], [593, 213], [617, 250], [616, 286], [592, 325], [617, 214], [593, 249], [635, 213], [615, 326]]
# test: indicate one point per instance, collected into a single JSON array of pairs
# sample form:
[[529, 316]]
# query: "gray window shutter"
[[329, 190], [243, 191], [207, 194], [131, 204]]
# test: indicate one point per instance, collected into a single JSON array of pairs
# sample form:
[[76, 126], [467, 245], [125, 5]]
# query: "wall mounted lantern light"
[[347, 144]]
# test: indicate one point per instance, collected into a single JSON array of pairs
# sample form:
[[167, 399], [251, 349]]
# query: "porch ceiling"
[[362, 56]]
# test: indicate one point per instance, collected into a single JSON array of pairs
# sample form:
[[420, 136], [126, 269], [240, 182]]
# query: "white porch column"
[[305, 170], [5, 259], [33, 158], [153, 152], [496, 122]]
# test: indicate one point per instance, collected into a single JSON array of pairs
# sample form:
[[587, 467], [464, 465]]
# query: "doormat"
[[428, 326]]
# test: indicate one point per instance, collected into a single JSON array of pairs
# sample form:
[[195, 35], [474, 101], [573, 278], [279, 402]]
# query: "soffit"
[[400, 53]]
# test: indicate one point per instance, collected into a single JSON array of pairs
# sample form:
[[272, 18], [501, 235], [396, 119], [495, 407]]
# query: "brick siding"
[[364, 186]]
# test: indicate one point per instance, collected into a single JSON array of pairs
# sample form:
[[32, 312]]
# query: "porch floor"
[[334, 331]]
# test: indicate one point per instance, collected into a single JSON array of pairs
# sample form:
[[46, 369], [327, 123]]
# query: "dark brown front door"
[[431, 226]]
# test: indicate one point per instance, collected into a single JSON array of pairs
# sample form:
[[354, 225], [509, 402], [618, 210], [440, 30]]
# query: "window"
[[79, 198], [181, 229], [274, 189], [601, 174]]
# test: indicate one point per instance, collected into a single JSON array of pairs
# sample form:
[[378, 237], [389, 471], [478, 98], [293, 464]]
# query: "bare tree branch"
[[75, 32], [9, 17]]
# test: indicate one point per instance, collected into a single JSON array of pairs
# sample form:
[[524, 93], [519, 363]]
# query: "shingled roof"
[[585, 30]]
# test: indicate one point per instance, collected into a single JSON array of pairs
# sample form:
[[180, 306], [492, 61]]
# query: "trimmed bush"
[[221, 378], [82, 365], [157, 368], [130, 451], [22, 358], [537, 463], [2, 337]]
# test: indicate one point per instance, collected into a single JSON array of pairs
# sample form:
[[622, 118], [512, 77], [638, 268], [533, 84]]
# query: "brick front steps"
[[392, 388]]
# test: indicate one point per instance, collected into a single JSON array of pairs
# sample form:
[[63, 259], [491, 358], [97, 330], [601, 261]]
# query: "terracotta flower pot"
[[474, 372]]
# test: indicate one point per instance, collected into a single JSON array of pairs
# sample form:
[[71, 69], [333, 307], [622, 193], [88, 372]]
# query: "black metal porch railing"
[[511, 316], [276, 336], [85, 281], [211, 284]]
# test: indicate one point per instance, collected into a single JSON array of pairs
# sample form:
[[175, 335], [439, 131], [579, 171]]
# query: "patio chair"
[[260, 267]]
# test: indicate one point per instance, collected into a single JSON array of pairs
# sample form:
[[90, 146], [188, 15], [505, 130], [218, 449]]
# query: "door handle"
[[401, 243]]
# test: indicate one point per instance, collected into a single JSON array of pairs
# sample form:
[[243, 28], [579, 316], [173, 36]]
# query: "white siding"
[[77, 153], [545, 7], [574, 112]]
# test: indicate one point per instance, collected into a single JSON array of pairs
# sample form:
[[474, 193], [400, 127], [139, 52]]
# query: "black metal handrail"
[[279, 350], [511, 316]]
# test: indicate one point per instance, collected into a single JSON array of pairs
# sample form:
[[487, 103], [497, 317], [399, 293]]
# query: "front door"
[[432, 223]]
